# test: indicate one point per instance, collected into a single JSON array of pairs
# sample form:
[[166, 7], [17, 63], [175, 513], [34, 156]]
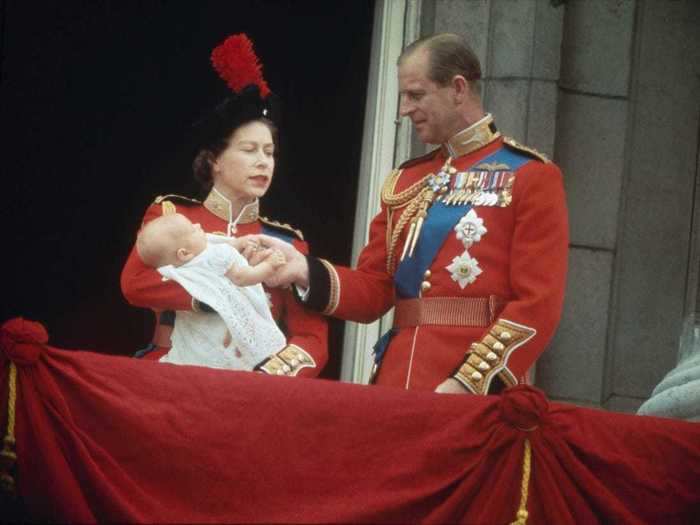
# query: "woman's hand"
[[294, 271]]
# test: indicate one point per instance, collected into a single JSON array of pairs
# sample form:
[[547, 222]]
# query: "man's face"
[[430, 106]]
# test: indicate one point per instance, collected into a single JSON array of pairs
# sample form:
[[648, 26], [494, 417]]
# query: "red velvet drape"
[[104, 438]]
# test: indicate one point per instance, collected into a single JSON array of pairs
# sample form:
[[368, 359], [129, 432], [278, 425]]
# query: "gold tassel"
[[8, 457], [521, 516]]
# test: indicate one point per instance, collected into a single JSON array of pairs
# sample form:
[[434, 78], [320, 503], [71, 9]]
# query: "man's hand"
[[451, 386], [294, 271]]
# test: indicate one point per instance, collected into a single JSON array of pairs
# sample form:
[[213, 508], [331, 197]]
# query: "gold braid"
[[8, 457], [411, 198]]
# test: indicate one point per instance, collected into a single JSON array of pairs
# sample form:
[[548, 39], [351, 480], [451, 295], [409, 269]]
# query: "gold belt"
[[447, 311]]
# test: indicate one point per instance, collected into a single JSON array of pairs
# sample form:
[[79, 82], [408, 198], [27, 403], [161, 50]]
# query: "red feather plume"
[[237, 64]]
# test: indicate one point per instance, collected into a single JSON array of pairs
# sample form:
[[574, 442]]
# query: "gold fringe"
[[8, 457], [521, 516]]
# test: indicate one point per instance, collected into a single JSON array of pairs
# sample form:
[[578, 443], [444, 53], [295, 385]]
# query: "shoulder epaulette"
[[167, 202], [531, 152], [176, 198], [412, 162], [284, 227]]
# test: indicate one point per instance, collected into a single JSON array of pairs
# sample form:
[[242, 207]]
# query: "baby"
[[213, 271]]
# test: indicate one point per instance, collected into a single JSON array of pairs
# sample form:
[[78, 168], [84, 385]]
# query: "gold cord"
[[404, 219], [394, 200], [410, 198], [522, 515], [8, 457]]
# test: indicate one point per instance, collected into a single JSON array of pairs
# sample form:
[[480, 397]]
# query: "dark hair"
[[449, 55], [207, 155]]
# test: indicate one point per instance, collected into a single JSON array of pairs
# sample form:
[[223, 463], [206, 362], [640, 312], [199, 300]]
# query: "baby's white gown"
[[198, 337]]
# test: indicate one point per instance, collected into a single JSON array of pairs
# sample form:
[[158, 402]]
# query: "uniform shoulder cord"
[[410, 199]]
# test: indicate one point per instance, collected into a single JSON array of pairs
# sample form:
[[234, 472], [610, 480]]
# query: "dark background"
[[95, 101]]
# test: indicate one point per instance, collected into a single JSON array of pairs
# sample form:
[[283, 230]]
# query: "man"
[[470, 244]]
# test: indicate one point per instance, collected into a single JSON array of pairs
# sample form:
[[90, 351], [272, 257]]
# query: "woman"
[[235, 165]]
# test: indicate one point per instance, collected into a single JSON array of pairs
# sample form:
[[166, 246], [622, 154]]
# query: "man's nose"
[[405, 107]]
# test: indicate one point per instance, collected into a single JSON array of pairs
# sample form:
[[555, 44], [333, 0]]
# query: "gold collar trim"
[[471, 139], [222, 208]]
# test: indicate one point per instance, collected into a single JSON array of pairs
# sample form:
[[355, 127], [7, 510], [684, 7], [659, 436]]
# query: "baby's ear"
[[184, 255]]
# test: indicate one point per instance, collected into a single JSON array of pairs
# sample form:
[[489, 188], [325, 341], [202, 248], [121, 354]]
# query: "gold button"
[[425, 286], [483, 366], [505, 336], [428, 274], [498, 345], [476, 376], [491, 357]]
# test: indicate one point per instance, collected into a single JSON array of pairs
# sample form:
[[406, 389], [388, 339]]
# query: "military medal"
[[464, 269], [470, 228]]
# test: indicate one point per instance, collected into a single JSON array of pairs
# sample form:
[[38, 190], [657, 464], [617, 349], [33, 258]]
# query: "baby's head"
[[170, 239]]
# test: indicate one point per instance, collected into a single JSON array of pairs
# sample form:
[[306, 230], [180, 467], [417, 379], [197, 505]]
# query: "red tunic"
[[143, 286], [523, 258]]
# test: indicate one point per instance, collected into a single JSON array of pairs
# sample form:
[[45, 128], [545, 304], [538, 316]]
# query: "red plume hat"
[[237, 64], [249, 97]]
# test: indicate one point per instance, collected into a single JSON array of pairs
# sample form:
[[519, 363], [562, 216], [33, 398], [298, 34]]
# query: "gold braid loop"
[[522, 515], [393, 200], [8, 457], [411, 198]]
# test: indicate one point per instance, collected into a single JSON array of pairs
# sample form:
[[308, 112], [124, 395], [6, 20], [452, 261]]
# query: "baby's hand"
[[245, 246], [277, 259]]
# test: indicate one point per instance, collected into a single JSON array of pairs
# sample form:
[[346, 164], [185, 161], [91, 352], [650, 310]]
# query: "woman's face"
[[244, 169]]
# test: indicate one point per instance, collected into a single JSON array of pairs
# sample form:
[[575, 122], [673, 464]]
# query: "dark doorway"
[[94, 100]]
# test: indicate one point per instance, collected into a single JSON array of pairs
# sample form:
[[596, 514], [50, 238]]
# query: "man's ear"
[[184, 255], [461, 88]]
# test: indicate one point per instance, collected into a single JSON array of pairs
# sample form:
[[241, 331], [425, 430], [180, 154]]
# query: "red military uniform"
[[307, 332], [488, 297]]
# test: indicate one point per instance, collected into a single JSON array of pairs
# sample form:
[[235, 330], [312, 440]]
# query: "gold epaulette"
[[168, 206], [389, 185], [525, 149], [177, 198], [281, 226]]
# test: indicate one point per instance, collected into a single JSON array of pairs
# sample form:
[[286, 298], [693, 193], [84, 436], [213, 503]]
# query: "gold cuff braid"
[[489, 357], [288, 362]]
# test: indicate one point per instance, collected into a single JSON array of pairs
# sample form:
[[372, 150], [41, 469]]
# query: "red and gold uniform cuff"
[[287, 362], [488, 358]]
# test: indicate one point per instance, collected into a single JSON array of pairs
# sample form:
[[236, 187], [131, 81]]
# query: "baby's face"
[[193, 237]]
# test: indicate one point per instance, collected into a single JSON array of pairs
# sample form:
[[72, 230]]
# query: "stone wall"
[[610, 90]]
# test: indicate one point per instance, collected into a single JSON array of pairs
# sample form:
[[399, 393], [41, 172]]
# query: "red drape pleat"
[[104, 438]]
